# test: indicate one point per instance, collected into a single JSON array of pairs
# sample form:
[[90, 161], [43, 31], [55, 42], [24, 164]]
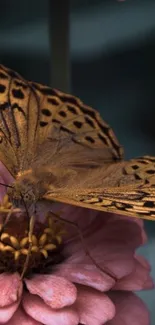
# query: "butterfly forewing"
[[32, 113], [19, 112], [76, 152], [75, 121]]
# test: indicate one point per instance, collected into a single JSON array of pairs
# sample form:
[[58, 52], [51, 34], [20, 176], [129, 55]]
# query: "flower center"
[[46, 246]]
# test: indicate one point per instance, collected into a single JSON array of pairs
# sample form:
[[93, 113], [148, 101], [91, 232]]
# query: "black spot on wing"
[[43, 124], [150, 172], [19, 108], [20, 84], [4, 106], [46, 112], [149, 204], [72, 109], [52, 101], [135, 167], [78, 124], [62, 113], [2, 88], [90, 122], [102, 139], [17, 93], [90, 139], [69, 99]]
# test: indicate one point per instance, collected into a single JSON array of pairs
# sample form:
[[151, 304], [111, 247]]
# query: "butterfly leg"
[[30, 234], [2, 226], [7, 209], [75, 225]]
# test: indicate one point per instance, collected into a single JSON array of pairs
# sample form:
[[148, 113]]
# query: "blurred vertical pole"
[[59, 34]]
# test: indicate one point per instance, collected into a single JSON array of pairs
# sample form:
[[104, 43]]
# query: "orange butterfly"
[[60, 150]]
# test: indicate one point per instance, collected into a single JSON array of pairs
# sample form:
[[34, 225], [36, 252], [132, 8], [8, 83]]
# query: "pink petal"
[[57, 292], [8, 178], [138, 221], [21, 318], [85, 274], [94, 307], [114, 253], [10, 288], [7, 312], [115, 259], [2, 188], [84, 218], [139, 279], [117, 232], [129, 309], [38, 310]]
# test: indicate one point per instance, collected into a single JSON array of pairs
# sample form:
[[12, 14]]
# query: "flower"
[[62, 285]]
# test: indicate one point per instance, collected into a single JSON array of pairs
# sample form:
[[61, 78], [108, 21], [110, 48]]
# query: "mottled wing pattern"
[[65, 119], [34, 117], [19, 116], [126, 188]]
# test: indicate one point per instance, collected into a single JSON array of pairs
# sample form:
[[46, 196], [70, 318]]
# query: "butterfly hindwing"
[[131, 189]]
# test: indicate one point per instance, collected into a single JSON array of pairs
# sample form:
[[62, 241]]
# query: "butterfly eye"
[[26, 197], [29, 196]]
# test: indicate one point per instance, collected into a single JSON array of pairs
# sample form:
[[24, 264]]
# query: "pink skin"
[[77, 291]]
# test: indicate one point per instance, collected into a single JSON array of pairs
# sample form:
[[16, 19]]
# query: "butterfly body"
[[60, 150]]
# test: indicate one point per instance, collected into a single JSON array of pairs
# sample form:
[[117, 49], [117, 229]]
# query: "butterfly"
[[60, 150]]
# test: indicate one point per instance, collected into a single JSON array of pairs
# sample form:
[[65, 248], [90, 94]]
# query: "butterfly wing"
[[126, 188], [19, 118], [66, 124], [35, 117]]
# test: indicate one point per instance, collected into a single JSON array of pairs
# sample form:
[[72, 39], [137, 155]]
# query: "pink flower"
[[71, 289]]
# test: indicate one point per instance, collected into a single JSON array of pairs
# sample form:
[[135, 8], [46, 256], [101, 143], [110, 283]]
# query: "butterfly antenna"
[[6, 185]]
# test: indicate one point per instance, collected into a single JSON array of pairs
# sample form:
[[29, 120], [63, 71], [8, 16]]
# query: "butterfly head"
[[21, 194]]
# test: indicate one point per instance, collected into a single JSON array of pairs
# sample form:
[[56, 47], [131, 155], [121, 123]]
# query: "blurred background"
[[102, 51]]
